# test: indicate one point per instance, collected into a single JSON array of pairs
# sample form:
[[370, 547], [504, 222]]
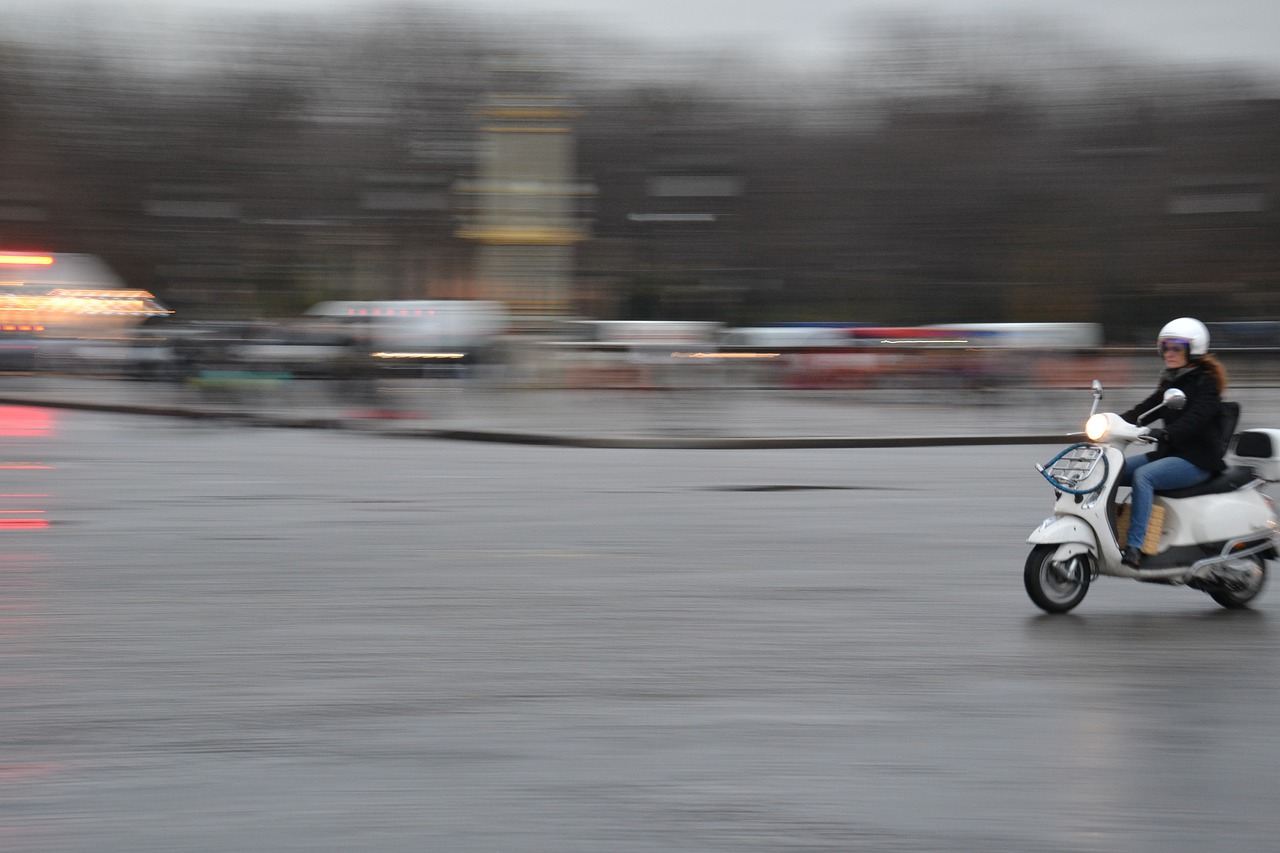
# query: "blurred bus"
[[1022, 336], [957, 335], [44, 297]]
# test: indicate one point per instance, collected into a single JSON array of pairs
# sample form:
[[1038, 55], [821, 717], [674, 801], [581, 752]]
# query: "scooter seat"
[[1227, 481]]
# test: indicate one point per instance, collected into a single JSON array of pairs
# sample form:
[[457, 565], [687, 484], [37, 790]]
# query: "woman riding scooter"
[[1189, 450]]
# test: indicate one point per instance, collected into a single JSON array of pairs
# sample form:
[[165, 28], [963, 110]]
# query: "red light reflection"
[[21, 509], [24, 524], [26, 422], [22, 512]]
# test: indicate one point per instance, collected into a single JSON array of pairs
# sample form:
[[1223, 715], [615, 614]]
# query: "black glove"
[[1158, 435]]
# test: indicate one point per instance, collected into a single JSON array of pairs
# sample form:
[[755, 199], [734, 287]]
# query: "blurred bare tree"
[[946, 173]]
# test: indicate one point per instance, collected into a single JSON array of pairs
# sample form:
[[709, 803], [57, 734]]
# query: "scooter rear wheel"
[[1056, 587], [1234, 599]]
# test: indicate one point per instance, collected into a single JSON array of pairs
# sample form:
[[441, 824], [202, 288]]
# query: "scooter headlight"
[[1096, 427]]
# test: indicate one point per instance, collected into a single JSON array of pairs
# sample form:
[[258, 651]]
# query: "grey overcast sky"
[[1245, 32]]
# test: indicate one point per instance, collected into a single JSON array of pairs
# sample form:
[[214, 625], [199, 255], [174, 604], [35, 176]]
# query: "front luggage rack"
[[1074, 466]]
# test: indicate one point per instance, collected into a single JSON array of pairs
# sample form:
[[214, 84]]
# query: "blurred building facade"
[[392, 161]]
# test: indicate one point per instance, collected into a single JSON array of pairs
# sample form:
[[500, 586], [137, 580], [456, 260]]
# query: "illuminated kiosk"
[[68, 295], [524, 204]]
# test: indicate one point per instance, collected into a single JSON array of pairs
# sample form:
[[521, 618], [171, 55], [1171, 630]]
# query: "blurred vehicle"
[[1048, 336], [786, 336], [140, 354], [69, 295], [1248, 334], [174, 352], [633, 354], [17, 350], [641, 333], [418, 333], [50, 302], [964, 355], [300, 350]]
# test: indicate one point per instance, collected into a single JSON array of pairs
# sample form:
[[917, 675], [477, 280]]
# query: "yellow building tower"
[[525, 209]]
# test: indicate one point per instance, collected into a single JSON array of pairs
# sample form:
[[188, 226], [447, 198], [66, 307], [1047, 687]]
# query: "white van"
[[419, 328]]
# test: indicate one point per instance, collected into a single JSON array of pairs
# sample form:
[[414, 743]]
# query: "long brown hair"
[[1216, 369]]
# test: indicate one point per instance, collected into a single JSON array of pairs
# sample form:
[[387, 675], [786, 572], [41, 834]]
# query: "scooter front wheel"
[[1056, 587]]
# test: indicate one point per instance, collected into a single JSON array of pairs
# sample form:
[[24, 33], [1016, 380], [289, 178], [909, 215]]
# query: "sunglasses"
[[1175, 346]]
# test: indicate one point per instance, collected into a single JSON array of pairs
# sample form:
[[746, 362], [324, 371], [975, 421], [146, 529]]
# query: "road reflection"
[[24, 605], [22, 503], [1155, 700]]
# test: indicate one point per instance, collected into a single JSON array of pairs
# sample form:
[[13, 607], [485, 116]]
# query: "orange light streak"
[[27, 260]]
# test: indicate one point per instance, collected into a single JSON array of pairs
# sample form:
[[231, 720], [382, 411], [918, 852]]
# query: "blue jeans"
[[1146, 475]]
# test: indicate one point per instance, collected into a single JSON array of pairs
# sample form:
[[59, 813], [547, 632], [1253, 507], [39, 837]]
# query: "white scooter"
[[1215, 537]]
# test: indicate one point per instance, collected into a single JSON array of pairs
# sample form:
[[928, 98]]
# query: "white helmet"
[[1186, 330]]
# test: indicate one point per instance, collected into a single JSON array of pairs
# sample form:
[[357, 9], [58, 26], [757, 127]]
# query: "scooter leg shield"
[[1073, 534]]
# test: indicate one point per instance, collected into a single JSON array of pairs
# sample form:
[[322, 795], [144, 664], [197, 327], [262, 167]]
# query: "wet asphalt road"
[[232, 639]]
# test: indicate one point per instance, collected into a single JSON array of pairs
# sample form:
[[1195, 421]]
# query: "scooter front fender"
[[1073, 535]]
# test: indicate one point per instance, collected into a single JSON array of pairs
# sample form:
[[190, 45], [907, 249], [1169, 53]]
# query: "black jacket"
[[1195, 433]]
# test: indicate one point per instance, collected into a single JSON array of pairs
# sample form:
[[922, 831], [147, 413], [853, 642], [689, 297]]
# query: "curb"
[[552, 440], [730, 443]]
